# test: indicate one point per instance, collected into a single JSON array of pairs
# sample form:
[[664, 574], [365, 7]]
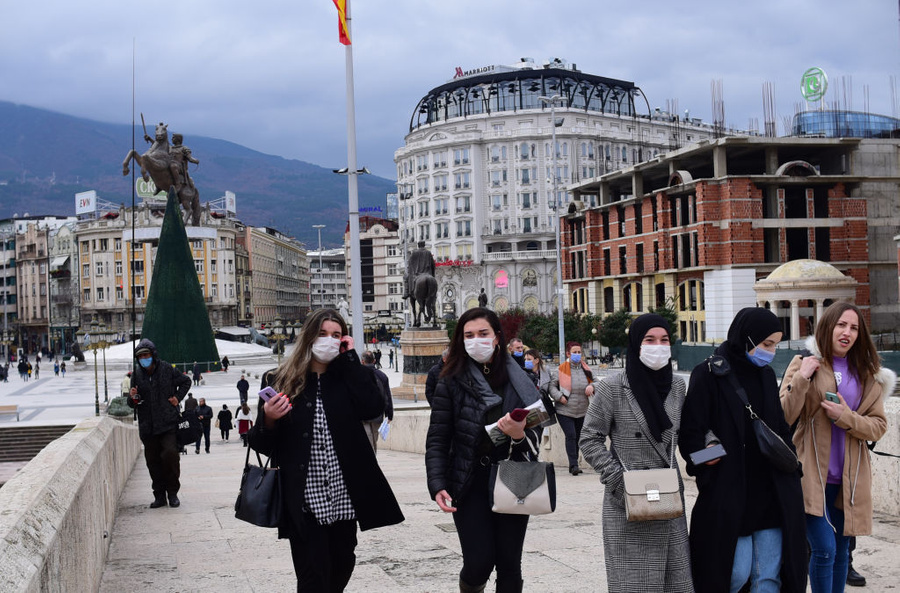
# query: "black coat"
[[431, 380], [712, 405], [206, 412], [224, 418], [243, 387], [456, 432], [350, 396], [156, 415]]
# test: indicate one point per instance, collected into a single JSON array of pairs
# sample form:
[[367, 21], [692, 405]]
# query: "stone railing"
[[57, 512]]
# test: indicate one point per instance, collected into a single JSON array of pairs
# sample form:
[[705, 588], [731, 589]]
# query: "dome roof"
[[805, 269]]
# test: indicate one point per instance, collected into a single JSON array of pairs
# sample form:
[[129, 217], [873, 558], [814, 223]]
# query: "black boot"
[[854, 579], [506, 585], [159, 500], [465, 587]]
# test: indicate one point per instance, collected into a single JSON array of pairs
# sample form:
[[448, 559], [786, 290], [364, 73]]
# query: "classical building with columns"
[[474, 176], [706, 227]]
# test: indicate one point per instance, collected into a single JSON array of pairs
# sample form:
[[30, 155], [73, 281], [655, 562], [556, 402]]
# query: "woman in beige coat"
[[836, 398]]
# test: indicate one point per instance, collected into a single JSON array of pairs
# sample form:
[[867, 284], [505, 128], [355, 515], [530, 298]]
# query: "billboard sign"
[[147, 189], [230, 202], [86, 202], [813, 84]]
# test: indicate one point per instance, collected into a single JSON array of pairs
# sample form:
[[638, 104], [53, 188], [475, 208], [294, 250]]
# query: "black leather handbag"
[[189, 429], [259, 501], [772, 446]]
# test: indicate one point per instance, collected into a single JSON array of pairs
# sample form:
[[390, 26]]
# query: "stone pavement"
[[202, 547]]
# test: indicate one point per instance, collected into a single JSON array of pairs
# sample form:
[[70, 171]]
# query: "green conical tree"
[[176, 319]]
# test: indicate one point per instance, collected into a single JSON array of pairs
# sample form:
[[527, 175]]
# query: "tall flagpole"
[[352, 188]]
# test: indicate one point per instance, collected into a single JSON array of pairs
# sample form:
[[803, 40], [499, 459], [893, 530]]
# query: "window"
[[139, 266], [463, 228], [215, 290], [442, 230], [197, 244], [495, 154], [440, 182], [198, 265], [461, 180], [463, 204], [120, 294], [118, 268], [526, 200], [495, 178], [98, 268], [99, 294], [138, 292], [423, 208], [104, 244], [86, 270], [212, 266], [523, 150], [391, 250], [623, 261], [495, 203], [86, 295], [461, 156], [638, 219], [440, 159]]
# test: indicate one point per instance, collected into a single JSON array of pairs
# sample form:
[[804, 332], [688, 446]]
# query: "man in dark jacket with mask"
[[156, 391]]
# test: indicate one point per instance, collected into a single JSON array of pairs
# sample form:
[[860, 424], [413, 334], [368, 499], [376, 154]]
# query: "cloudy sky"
[[270, 74]]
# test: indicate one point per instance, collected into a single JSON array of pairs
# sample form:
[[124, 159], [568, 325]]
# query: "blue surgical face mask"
[[518, 354], [529, 364], [761, 357], [146, 362], [575, 357]]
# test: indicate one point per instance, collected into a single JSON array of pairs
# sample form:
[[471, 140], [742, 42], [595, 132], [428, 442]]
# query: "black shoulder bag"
[[259, 501], [772, 446]]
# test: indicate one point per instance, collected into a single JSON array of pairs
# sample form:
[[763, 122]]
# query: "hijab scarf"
[[650, 388], [750, 327]]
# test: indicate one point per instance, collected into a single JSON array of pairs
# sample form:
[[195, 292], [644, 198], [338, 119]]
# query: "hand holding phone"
[[832, 397], [708, 454], [518, 414], [267, 393]]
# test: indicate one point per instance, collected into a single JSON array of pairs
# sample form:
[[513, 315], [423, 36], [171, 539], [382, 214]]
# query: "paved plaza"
[[202, 547]]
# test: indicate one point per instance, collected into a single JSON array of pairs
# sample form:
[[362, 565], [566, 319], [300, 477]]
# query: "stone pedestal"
[[422, 349]]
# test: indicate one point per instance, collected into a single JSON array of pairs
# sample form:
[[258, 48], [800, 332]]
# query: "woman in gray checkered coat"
[[639, 411]]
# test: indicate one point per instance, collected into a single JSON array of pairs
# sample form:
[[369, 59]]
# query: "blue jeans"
[[830, 548], [758, 557]]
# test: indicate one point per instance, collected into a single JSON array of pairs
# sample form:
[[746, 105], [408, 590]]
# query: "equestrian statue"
[[421, 285], [167, 166]]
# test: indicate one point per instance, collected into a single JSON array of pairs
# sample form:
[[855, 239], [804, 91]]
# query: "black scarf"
[[751, 326], [650, 388]]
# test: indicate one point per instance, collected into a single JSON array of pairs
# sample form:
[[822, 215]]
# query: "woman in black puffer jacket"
[[480, 384]]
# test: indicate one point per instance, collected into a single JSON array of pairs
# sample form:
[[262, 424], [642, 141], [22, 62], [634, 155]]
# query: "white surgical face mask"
[[325, 349], [480, 349], [655, 356]]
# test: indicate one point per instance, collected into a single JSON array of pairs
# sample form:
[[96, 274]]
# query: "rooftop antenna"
[[768, 96]]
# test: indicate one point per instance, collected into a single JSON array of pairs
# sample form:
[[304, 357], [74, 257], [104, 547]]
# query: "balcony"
[[61, 299], [511, 256]]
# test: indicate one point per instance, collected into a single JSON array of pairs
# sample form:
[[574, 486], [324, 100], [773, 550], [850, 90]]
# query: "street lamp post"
[[560, 291], [319, 228], [278, 328]]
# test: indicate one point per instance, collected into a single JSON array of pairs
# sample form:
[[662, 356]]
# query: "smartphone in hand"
[[832, 397], [267, 393], [708, 454]]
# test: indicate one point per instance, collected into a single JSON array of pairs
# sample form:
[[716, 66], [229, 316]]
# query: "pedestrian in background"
[[243, 388], [330, 480], [190, 404], [831, 436], [571, 392], [535, 365], [204, 415], [639, 411], [244, 421], [196, 374], [56, 368], [391, 358], [157, 389], [223, 421], [37, 370], [125, 386], [225, 363], [384, 387], [62, 368]]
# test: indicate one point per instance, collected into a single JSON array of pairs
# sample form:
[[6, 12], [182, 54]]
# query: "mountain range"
[[48, 157]]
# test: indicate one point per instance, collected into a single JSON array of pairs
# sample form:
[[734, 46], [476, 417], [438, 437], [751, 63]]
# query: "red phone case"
[[518, 414]]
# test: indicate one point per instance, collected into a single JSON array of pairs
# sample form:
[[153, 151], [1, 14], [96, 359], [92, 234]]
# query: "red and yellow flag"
[[343, 32]]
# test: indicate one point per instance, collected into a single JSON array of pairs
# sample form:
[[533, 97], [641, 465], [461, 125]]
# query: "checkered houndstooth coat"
[[648, 556]]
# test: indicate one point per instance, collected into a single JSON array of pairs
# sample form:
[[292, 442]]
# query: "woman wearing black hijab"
[[639, 411], [748, 522]]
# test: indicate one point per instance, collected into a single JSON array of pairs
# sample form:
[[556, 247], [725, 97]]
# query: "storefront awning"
[[58, 262]]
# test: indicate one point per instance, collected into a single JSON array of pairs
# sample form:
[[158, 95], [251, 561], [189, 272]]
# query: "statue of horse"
[[158, 164], [424, 294]]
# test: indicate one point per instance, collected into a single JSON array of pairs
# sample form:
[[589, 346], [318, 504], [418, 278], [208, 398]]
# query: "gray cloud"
[[270, 75]]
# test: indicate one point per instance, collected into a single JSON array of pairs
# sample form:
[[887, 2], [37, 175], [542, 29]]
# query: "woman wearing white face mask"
[[313, 430], [479, 385], [639, 412]]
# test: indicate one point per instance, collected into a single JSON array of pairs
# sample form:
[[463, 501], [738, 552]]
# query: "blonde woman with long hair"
[[313, 428]]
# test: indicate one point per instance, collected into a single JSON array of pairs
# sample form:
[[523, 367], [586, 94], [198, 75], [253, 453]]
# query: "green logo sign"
[[147, 189], [813, 84]]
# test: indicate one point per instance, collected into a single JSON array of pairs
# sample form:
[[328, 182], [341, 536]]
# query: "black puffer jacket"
[[456, 432], [156, 414]]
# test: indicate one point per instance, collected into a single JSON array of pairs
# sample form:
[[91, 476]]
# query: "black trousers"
[[203, 433], [571, 427], [161, 455], [324, 555], [489, 539]]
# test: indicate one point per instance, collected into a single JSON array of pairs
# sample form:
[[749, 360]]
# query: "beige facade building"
[[280, 276]]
